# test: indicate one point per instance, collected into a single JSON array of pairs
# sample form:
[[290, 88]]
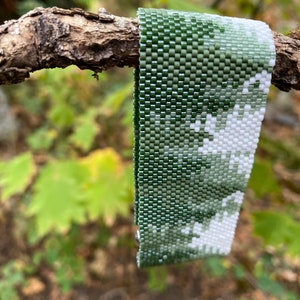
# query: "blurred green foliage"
[[157, 278], [215, 266], [83, 177], [16, 175], [11, 275], [70, 124], [267, 282], [73, 163], [263, 169], [278, 229]]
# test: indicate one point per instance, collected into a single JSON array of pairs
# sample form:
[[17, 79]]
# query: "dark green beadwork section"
[[200, 96]]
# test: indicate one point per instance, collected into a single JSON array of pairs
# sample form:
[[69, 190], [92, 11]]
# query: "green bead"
[[200, 88]]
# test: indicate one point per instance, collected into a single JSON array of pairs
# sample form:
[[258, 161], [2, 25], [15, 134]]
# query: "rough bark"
[[286, 73], [55, 37]]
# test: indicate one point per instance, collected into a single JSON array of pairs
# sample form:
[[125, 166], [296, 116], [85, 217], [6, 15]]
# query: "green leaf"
[[69, 272], [277, 229], [85, 131], [114, 100], [293, 242], [41, 139], [269, 184], [62, 115], [189, 6], [157, 279], [58, 199], [238, 271], [108, 186], [271, 226], [16, 175], [25, 6], [266, 284], [288, 152], [215, 266]]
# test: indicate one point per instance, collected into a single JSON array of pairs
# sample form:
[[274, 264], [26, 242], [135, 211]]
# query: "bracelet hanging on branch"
[[55, 37]]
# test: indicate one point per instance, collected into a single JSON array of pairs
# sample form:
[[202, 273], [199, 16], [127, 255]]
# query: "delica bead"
[[200, 99]]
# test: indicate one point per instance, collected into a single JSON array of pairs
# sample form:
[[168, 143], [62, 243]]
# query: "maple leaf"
[[85, 131], [107, 189], [16, 175], [58, 198]]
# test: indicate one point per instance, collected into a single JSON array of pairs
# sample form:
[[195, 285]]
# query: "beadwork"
[[200, 96]]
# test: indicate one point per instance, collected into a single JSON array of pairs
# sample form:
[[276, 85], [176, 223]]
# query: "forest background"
[[66, 183]]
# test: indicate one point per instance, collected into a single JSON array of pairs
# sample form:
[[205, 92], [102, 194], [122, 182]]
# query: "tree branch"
[[55, 37]]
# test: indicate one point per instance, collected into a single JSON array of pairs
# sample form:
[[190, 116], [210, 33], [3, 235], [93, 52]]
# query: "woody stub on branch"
[[55, 37]]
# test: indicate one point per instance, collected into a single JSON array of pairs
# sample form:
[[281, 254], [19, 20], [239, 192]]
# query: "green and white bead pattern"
[[200, 96]]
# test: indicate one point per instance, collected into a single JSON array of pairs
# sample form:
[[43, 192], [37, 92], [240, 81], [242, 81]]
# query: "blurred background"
[[66, 216]]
